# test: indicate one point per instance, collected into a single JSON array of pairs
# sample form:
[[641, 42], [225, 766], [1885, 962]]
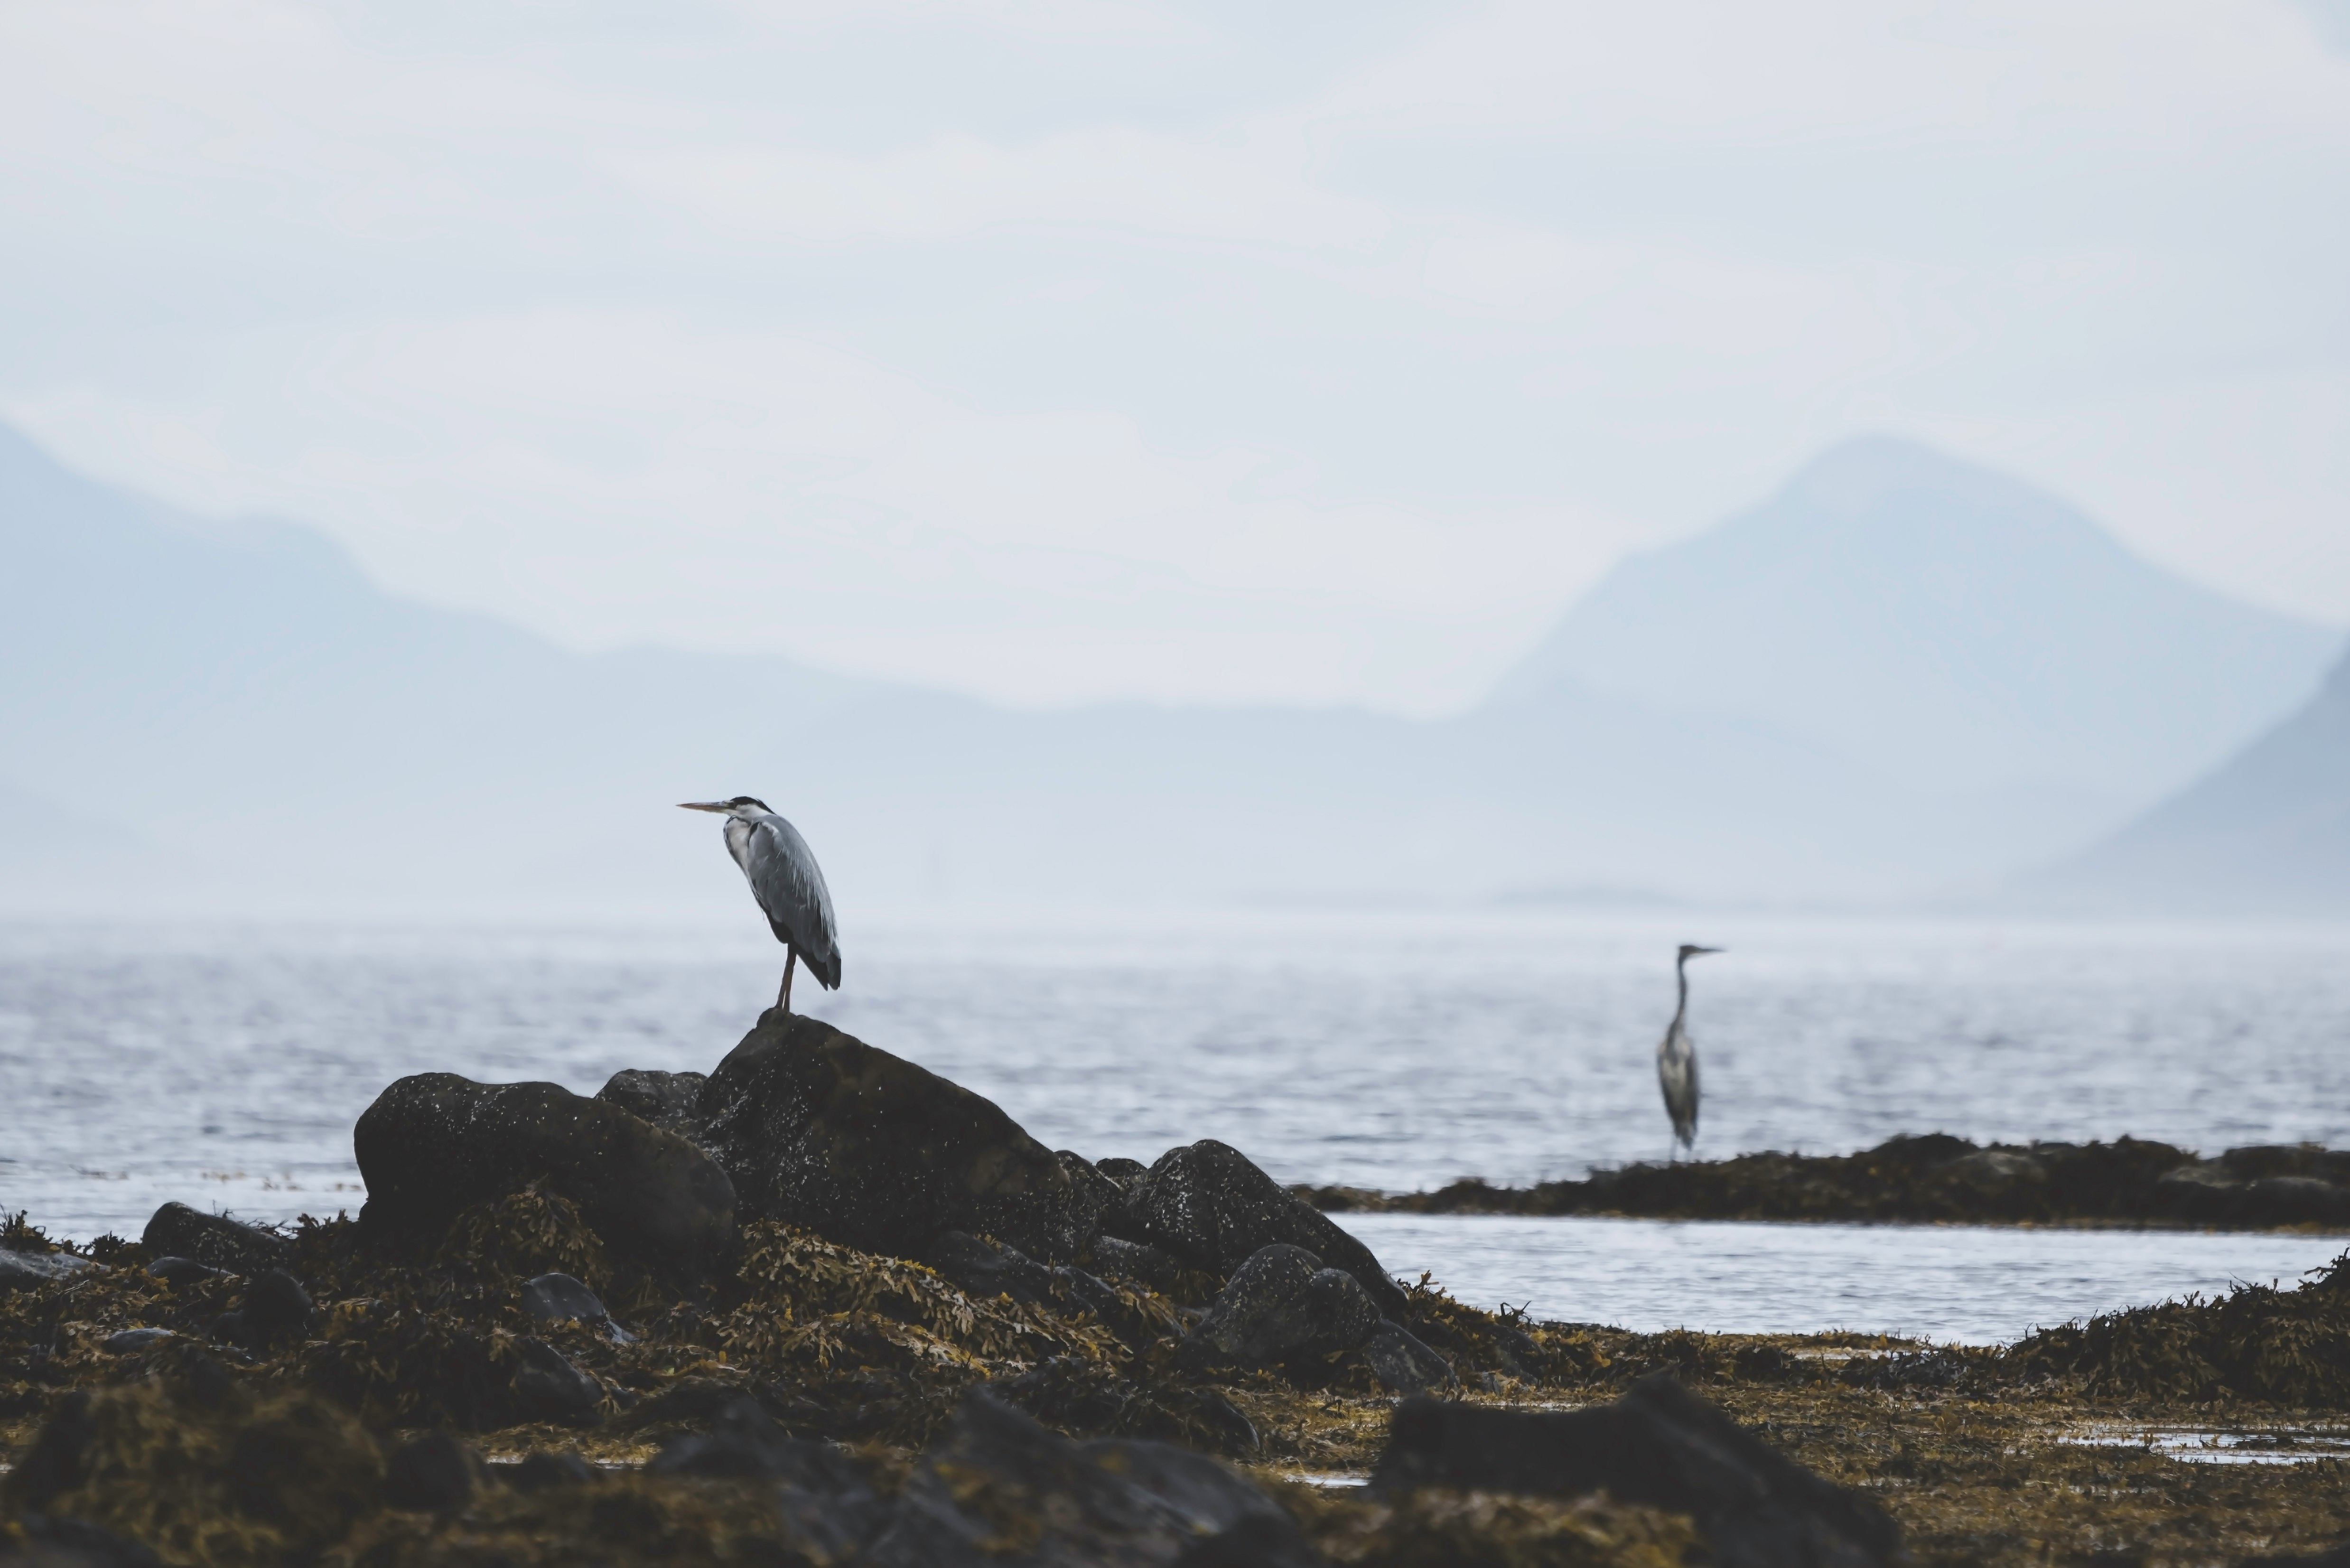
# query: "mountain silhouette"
[[209, 715]]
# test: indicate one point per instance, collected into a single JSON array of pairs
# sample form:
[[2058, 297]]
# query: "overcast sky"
[[1061, 348]]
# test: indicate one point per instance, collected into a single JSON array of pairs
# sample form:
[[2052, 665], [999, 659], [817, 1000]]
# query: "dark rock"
[[1211, 1207], [230, 1245], [1153, 1267], [1660, 1446], [1092, 1195], [667, 1100], [132, 1340], [1122, 1173], [984, 1270], [542, 1471], [550, 1388], [559, 1298], [184, 1271], [822, 1130], [78, 1544], [824, 1498], [30, 1270], [2297, 1200], [1990, 1171], [1280, 1306], [434, 1144], [1000, 1489], [1252, 1544], [1402, 1363], [276, 1309], [436, 1474], [1212, 1497]]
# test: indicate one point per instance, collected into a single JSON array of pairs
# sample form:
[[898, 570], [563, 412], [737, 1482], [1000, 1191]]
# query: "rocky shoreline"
[[822, 1306], [1933, 1179]]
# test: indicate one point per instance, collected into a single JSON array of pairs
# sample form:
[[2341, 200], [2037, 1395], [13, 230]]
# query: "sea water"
[[223, 1065]]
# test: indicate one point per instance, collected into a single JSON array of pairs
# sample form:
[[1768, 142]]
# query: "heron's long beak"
[[717, 805]]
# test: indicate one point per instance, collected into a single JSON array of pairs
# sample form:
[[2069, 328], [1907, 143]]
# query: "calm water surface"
[[224, 1065]]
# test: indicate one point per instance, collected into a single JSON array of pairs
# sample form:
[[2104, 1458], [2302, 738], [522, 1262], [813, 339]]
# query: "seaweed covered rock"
[[215, 1241], [820, 1130], [1931, 1177], [434, 1144], [2289, 1347], [216, 1478], [1660, 1446], [1212, 1207], [1281, 1306], [998, 1489]]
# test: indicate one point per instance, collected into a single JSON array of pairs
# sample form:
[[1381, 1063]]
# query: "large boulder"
[[1659, 1445], [821, 1130], [1209, 1205], [434, 1144]]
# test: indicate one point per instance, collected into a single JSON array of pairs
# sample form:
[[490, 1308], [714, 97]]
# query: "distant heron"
[[783, 874], [1677, 1060]]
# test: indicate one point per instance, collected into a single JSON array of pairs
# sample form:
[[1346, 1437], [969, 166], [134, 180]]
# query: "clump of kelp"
[[2288, 1347], [1931, 1178], [214, 1451]]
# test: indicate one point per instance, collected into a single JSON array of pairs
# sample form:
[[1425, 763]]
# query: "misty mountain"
[[209, 715], [1959, 631], [2267, 832]]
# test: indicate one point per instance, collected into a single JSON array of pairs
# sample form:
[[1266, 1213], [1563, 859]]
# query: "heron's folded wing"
[[790, 888]]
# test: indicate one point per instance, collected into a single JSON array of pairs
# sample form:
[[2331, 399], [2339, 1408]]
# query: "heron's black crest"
[[749, 800]]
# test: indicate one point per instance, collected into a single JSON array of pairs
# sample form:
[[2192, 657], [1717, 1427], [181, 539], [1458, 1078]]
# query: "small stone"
[[276, 1309], [131, 1341]]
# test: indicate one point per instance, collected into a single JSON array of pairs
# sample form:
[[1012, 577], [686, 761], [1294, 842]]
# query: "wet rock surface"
[[1932, 1178], [434, 1144], [999, 1488], [821, 1130], [1282, 1306], [214, 1240], [27, 1271], [667, 1100], [1211, 1207], [1659, 1445]]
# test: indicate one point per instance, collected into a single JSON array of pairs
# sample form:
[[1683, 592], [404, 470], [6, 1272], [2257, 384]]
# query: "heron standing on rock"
[[1677, 1060], [784, 876]]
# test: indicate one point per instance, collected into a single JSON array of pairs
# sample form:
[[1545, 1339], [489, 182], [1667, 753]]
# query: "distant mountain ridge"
[[2267, 832], [1954, 627], [205, 715]]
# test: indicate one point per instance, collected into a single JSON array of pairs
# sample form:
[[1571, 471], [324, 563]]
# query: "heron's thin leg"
[[784, 997]]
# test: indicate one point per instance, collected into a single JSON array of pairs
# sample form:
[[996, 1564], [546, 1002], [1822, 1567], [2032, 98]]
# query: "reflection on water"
[[1958, 1284], [226, 1065]]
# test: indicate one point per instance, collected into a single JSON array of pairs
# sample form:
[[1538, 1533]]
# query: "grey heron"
[[1677, 1059], [785, 879]]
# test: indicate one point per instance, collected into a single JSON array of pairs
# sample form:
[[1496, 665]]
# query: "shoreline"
[[1931, 1180]]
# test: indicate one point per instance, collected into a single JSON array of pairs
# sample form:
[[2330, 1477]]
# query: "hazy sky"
[[1054, 349]]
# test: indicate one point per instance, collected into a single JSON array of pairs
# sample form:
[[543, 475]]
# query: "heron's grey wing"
[[789, 886]]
